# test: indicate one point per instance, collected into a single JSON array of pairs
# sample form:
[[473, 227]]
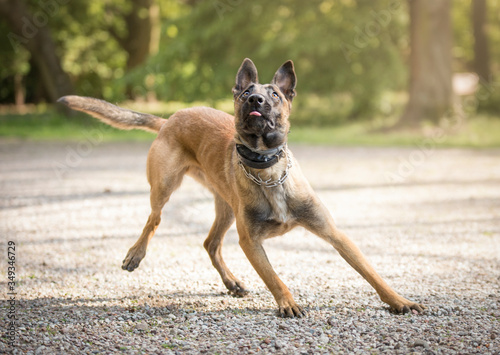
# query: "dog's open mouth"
[[256, 119]]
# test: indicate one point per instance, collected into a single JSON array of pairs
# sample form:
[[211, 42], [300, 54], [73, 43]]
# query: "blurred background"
[[378, 65]]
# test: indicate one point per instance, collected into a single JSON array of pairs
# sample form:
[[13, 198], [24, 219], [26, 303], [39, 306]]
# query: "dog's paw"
[[236, 289], [409, 307], [291, 310], [132, 260]]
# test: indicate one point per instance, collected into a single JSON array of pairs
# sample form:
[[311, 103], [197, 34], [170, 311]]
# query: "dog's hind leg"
[[165, 176], [138, 251], [224, 218]]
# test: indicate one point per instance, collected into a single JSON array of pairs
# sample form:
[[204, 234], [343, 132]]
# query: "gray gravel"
[[428, 220]]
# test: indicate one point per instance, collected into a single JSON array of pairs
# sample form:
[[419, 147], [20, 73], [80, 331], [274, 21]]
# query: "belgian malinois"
[[245, 162]]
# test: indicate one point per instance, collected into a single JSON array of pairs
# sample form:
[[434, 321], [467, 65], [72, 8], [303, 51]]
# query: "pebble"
[[323, 339], [142, 326], [278, 344], [421, 343]]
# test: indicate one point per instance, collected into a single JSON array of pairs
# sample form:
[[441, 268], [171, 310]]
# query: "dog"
[[246, 163]]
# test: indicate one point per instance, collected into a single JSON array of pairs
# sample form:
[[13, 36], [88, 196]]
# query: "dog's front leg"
[[321, 223], [255, 253]]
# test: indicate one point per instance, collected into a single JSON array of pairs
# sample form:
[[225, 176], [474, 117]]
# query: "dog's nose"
[[256, 99]]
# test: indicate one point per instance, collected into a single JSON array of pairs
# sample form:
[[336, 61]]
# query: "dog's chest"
[[277, 200]]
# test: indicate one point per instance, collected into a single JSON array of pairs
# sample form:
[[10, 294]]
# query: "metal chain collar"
[[269, 183]]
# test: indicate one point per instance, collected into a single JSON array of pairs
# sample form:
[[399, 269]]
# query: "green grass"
[[55, 126], [481, 131]]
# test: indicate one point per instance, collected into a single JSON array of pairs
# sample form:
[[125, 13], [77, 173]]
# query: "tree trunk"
[[19, 92], [143, 35], [31, 31], [430, 90], [481, 48], [137, 42]]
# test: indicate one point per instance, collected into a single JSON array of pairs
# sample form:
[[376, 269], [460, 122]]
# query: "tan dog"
[[244, 161]]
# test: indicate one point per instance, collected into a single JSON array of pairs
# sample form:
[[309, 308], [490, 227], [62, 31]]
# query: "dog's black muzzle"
[[256, 115]]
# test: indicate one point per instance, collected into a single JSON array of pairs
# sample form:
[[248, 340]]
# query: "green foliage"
[[13, 63], [92, 57], [487, 99], [463, 36], [349, 54], [350, 49]]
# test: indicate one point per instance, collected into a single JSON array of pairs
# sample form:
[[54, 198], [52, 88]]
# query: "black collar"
[[258, 159]]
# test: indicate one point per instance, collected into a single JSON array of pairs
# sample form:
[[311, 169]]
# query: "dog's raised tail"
[[113, 115]]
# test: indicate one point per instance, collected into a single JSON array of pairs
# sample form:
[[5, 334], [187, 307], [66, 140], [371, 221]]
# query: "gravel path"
[[429, 220]]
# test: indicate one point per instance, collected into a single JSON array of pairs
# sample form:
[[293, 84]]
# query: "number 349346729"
[[11, 269]]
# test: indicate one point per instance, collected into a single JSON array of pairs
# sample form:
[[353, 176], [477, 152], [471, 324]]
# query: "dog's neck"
[[258, 159], [262, 159]]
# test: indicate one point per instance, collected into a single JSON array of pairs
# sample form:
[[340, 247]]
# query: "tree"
[[31, 31], [481, 47], [340, 51], [430, 89], [142, 36]]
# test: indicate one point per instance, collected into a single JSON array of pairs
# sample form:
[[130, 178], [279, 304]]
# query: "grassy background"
[[42, 123]]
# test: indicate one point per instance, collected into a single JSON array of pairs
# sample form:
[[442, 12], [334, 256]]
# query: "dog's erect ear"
[[247, 74], [286, 80]]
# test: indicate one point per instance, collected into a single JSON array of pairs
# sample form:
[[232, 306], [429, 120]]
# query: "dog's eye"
[[275, 95], [245, 94]]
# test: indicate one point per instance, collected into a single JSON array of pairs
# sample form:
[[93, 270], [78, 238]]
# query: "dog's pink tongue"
[[255, 113]]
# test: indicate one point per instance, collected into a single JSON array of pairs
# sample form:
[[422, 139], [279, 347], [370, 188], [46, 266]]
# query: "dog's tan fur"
[[200, 142]]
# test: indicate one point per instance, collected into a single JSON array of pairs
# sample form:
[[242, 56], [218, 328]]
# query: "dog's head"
[[261, 110]]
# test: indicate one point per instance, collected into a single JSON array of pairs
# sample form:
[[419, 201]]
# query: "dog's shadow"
[[175, 308]]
